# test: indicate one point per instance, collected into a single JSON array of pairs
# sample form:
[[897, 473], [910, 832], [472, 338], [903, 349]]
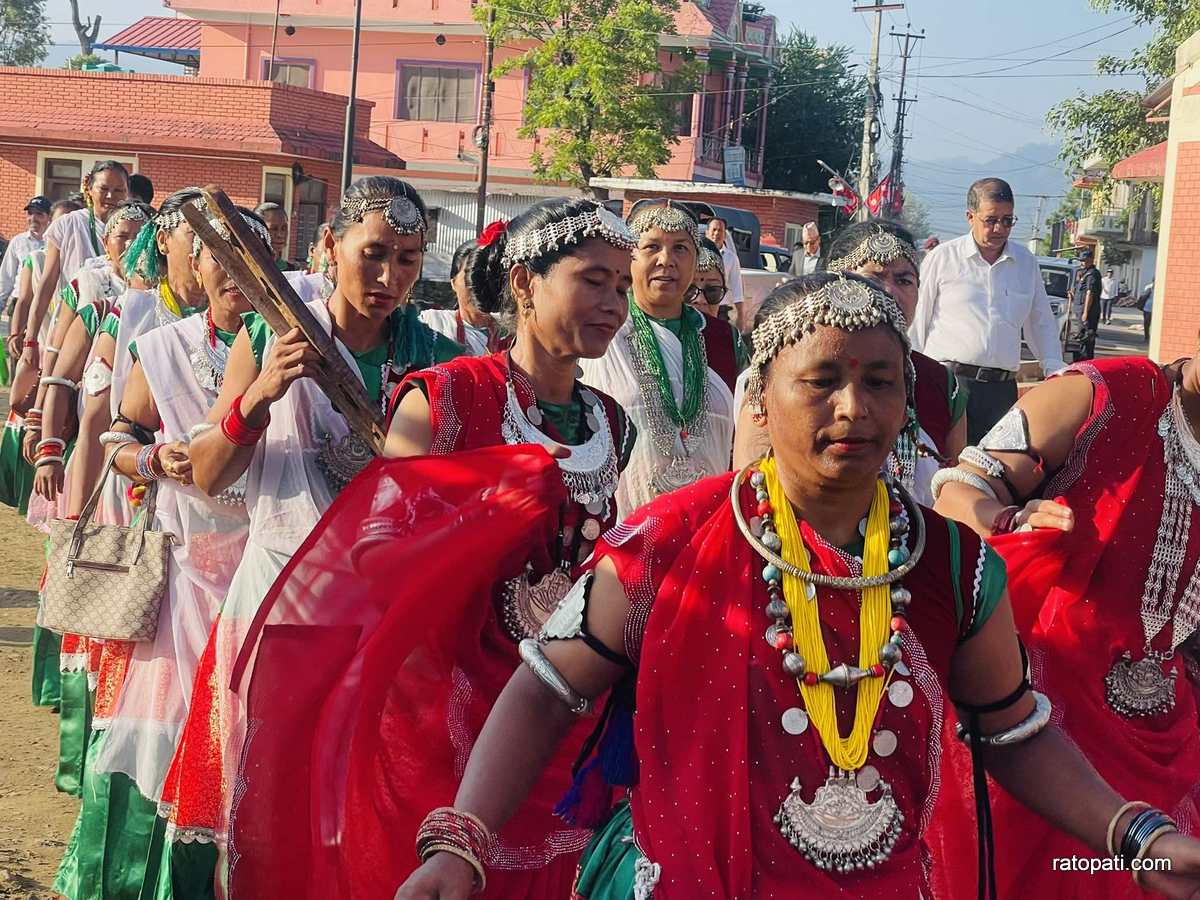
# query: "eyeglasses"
[[714, 293], [1005, 221]]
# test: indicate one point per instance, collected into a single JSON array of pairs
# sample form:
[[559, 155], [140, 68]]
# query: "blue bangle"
[[1144, 824]]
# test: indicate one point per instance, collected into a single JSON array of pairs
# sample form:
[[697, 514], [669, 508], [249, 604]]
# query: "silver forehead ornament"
[[402, 215], [667, 218], [593, 222], [881, 246]]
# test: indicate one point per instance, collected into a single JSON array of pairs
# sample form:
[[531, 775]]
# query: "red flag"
[[843, 191], [880, 198]]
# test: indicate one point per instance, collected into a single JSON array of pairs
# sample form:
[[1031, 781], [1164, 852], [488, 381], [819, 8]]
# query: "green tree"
[[1112, 124], [24, 34], [597, 93], [915, 217], [79, 60], [1068, 208], [816, 113]]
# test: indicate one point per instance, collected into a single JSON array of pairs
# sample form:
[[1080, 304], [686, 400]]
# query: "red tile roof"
[[156, 33]]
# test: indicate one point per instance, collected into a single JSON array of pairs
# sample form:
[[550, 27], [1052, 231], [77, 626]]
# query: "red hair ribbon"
[[492, 233]]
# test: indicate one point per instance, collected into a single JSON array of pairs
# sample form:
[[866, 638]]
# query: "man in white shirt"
[[808, 261], [37, 217], [719, 235], [1108, 295], [978, 292]]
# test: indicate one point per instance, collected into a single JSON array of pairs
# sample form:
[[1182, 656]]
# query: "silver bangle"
[[543, 670], [1019, 733], [981, 459], [49, 349], [47, 460], [61, 382], [941, 476], [118, 437]]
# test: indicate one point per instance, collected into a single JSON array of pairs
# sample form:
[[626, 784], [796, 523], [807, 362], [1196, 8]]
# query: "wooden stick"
[[246, 260]]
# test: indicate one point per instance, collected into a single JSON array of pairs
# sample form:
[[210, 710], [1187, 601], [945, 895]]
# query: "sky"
[[984, 77]]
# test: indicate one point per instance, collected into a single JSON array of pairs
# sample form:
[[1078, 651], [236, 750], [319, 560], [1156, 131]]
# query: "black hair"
[[708, 244], [69, 204], [851, 236], [141, 187], [376, 186], [320, 232], [268, 206], [461, 256], [75, 197], [108, 165], [996, 190], [487, 278], [143, 256]]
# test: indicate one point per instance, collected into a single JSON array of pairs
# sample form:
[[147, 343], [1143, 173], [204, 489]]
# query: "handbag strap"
[[89, 508]]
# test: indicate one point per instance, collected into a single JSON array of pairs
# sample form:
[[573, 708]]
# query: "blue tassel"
[[587, 803], [616, 748]]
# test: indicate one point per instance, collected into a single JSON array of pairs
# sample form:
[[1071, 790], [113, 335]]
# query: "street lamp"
[[348, 142]]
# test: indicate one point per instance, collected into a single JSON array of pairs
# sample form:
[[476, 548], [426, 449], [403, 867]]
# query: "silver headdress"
[[846, 304], [707, 260], [124, 214], [881, 246], [169, 221], [593, 222], [402, 215], [219, 227], [670, 219]]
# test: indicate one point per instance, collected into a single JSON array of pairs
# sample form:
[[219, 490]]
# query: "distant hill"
[[1031, 169]]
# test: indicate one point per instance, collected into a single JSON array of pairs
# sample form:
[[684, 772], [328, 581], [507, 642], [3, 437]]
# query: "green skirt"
[[74, 732], [117, 844], [16, 475], [608, 865], [186, 871], [46, 678]]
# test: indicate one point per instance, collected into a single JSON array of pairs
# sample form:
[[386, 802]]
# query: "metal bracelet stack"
[[942, 476], [454, 831], [145, 462]]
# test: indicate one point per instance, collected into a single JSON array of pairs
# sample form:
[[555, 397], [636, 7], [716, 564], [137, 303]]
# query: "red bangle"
[[235, 427], [28, 344], [1005, 520]]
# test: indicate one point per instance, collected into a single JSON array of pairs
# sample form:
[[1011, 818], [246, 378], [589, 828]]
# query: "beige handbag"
[[106, 581]]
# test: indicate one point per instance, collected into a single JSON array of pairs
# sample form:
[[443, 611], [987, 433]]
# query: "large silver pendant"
[[340, 462], [679, 473], [528, 606], [841, 830], [1139, 688], [207, 375]]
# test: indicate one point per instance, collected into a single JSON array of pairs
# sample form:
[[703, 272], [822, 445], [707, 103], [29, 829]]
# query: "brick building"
[[258, 139]]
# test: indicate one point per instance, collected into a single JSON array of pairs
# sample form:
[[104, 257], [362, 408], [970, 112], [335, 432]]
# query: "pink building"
[[421, 66]]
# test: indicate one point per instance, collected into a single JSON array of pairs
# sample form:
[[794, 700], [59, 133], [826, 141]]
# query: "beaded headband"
[[849, 305], [256, 226], [402, 215], [670, 219], [124, 214], [169, 221], [596, 221], [707, 260], [881, 246]]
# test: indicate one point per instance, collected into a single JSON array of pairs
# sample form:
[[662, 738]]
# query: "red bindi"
[[853, 362]]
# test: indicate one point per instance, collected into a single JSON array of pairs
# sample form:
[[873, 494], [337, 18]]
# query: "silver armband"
[[544, 671], [117, 437], [981, 459], [98, 376], [941, 476], [1019, 733]]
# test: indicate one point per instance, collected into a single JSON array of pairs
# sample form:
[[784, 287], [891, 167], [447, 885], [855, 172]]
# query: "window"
[[296, 72], [59, 172], [311, 212], [683, 115], [277, 188], [791, 235], [435, 93]]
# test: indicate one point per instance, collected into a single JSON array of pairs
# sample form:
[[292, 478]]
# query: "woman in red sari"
[[745, 785], [561, 271], [1102, 466]]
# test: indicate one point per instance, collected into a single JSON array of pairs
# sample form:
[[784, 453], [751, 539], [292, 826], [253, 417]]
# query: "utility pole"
[[1037, 223], [484, 132], [348, 141], [274, 44], [902, 102], [867, 164]]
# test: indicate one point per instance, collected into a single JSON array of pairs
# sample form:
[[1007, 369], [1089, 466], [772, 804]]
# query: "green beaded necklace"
[[695, 365]]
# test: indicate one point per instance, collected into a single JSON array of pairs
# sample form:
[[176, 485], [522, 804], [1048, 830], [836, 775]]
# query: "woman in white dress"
[[671, 366], [466, 324]]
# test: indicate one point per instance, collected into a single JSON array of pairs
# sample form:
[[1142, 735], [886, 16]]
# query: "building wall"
[[18, 166], [1175, 326], [774, 213]]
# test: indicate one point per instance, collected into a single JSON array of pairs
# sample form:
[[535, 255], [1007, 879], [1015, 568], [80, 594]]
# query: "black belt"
[[980, 373]]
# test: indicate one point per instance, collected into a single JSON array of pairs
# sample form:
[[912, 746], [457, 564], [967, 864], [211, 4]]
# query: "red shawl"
[[376, 667], [715, 763], [1077, 598], [933, 399]]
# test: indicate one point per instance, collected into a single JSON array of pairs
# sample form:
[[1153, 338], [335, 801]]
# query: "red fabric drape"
[[1076, 598], [376, 659]]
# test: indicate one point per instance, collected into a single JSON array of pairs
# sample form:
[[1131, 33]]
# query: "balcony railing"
[[1108, 223], [712, 149], [754, 160]]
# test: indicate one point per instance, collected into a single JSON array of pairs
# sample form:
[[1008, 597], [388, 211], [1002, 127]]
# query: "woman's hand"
[[1044, 514], [48, 481], [291, 357], [443, 876], [15, 343], [176, 462], [1182, 880], [29, 442]]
